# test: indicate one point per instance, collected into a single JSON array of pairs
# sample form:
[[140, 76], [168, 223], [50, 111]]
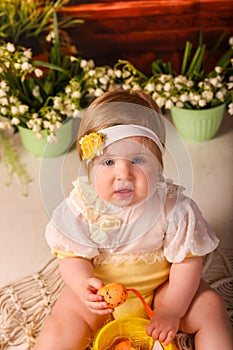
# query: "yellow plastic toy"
[[133, 328]]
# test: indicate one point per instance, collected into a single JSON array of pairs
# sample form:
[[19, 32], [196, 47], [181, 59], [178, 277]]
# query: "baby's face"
[[126, 173]]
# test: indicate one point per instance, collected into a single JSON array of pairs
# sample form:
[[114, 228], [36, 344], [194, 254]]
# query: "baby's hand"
[[95, 303], [163, 325]]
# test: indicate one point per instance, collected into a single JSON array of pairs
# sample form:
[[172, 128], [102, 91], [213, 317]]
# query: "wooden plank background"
[[142, 31]]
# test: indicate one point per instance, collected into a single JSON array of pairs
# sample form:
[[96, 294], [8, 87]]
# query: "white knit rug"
[[25, 304]]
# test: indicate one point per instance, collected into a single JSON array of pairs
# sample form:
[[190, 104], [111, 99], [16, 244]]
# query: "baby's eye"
[[109, 162], [137, 160]]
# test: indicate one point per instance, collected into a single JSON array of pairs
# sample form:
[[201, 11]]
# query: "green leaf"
[[187, 52], [196, 61], [224, 61], [215, 47]]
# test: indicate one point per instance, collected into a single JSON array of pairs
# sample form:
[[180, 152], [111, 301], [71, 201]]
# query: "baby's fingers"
[[100, 308]]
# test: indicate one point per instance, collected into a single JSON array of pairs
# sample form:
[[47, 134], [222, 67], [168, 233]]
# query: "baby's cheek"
[[151, 180], [102, 186]]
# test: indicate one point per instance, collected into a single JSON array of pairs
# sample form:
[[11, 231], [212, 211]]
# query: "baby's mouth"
[[124, 189]]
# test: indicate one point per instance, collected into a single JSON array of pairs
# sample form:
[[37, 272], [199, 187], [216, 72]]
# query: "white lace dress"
[[133, 245]]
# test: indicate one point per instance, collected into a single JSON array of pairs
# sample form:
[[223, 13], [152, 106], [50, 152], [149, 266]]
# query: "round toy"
[[114, 294]]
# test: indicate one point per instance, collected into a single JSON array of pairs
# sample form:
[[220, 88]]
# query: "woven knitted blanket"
[[26, 303]]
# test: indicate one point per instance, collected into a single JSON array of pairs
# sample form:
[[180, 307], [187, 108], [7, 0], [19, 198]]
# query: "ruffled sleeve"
[[68, 233], [188, 233]]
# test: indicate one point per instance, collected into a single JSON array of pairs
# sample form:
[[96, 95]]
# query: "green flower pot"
[[41, 147], [198, 125]]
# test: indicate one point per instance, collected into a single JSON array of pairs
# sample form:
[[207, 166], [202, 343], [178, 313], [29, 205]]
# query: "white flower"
[[110, 72], [169, 104], [91, 73], [72, 59], [57, 102], [230, 108], [220, 95], [36, 128], [36, 91], [50, 37], [15, 121], [46, 124], [23, 109], [202, 103], [68, 89], [38, 72], [174, 98], [214, 81], [231, 41], [17, 65], [3, 85], [150, 87], [118, 73], [218, 69], [83, 63], [183, 97], [14, 110], [164, 77], [104, 80], [76, 94], [98, 92], [26, 66], [136, 87], [207, 95], [2, 93], [28, 53], [13, 99], [160, 101], [179, 104], [10, 47], [159, 87], [3, 110], [126, 74]]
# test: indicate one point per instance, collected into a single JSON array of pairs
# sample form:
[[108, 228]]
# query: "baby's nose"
[[123, 169]]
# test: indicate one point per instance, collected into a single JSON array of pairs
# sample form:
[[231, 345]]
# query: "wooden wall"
[[142, 31]]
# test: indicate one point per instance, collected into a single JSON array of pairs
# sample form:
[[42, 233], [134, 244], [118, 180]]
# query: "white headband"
[[118, 132], [93, 144]]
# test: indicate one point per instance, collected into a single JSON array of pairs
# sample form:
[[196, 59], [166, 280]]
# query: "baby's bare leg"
[[206, 318], [70, 326]]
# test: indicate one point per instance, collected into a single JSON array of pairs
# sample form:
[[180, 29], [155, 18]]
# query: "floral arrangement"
[[42, 95], [28, 95], [24, 21], [193, 87]]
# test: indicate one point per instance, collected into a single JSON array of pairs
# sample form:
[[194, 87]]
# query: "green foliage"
[[23, 19]]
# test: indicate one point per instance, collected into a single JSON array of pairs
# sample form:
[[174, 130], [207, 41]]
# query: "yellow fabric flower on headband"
[[92, 145]]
